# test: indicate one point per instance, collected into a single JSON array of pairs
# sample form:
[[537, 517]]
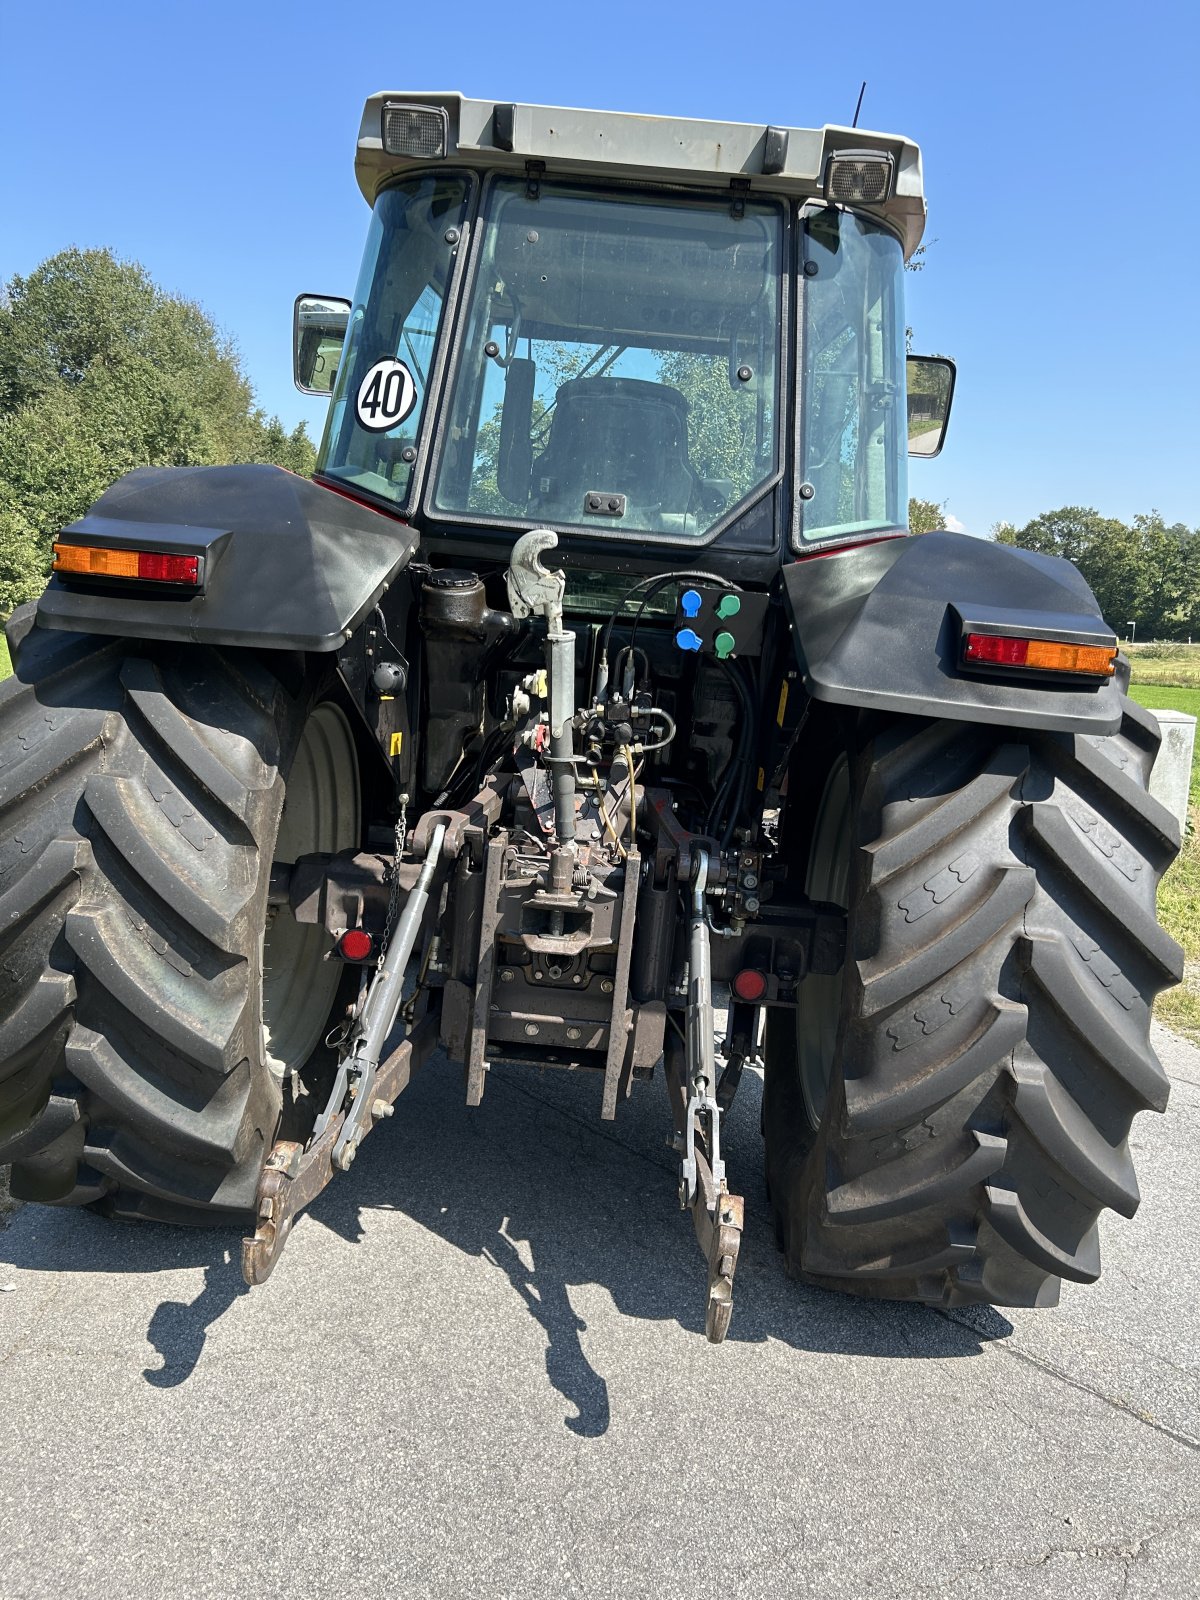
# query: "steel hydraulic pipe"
[[560, 664]]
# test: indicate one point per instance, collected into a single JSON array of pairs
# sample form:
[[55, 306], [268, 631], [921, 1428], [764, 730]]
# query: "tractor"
[[591, 708]]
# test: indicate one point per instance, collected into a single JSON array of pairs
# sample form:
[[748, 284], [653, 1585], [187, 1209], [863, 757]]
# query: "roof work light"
[[859, 177], [415, 130]]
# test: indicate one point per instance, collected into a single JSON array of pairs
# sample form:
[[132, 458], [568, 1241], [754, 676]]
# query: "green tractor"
[[591, 689]]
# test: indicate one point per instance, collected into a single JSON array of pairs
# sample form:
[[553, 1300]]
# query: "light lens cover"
[[1040, 655], [415, 131], [355, 945], [859, 177], [150, 566], [750, 984]]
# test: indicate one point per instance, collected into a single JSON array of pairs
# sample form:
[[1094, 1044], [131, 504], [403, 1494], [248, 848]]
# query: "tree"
[[1101, 547], [722, 420], [1146, 572], [101, 372], [926, 516], [1162, 594]]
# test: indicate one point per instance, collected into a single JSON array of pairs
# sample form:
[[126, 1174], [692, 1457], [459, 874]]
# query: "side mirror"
[[930, 391], [318, 332]]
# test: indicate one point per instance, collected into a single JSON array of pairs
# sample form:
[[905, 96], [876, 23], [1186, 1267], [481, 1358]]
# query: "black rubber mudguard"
[[288, 564], [880, 626]]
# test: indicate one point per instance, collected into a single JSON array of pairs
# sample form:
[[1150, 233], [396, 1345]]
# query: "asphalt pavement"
[[480, 1370]]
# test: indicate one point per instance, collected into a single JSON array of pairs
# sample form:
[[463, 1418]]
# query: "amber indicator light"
[[1042, 655], [150, 566]]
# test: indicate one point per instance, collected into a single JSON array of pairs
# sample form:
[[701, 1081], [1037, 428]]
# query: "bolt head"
[[606, 986], [531, 1028]]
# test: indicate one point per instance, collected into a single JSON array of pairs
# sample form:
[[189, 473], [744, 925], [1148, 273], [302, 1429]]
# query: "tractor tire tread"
[[994, 1044], [140, 788]]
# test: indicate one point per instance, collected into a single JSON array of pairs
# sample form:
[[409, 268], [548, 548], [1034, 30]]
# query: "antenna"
[[858, 107]]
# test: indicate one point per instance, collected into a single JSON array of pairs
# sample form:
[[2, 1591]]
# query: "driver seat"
[[618, 436]]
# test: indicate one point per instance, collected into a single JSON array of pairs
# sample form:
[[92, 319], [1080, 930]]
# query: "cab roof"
[[504, 136]]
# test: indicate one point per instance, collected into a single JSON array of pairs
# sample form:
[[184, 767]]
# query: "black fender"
[[879, 626], [288, 564]]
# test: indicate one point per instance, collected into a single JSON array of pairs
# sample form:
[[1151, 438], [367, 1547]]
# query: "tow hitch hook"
[[717, 1215]]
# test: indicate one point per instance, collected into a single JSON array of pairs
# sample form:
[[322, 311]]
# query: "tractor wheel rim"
[[321, 812], [820, 998]]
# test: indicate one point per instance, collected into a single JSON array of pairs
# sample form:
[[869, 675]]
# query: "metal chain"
[[394, 894]]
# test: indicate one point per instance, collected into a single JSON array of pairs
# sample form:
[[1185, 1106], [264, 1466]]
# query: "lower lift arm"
[[716, 1214], [363, 1091]]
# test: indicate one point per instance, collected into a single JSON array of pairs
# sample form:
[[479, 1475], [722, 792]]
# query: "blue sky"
[[214, 143]]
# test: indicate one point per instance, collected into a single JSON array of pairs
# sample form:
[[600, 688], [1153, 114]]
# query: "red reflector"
[[750, 984], [355, 945], [995, 647], [168, 569]]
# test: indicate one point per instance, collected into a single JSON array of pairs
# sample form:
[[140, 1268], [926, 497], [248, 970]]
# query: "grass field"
[[5, 663], [1176, 665]]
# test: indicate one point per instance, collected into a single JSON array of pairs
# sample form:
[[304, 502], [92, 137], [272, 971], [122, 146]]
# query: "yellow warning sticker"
[[762, 778], [783, 691], [397, 745]]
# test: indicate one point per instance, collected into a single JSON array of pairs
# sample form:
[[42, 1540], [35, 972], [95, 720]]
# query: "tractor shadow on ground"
[[533, 1183], [44, 1240]]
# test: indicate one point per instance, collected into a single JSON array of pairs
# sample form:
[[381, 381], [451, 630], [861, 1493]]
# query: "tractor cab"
[[656, 336]]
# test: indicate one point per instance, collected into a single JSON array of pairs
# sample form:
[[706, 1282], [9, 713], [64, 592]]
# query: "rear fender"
[[288, 564], [878, 626]]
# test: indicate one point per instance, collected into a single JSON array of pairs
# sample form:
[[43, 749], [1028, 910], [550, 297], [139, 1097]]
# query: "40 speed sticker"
[[385, 396]]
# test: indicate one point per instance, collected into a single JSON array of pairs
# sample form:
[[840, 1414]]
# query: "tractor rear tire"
[[947, 1119], [143, 1060]]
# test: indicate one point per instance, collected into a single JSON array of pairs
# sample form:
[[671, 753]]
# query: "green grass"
[[915, 429], [5, 663]]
